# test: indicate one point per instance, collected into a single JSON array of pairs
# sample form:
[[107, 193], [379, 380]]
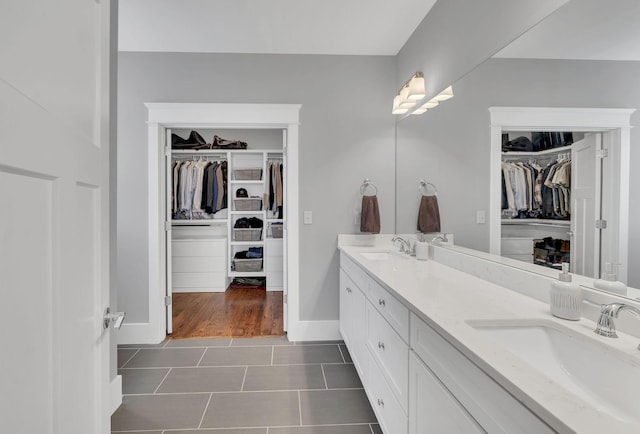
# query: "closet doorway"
[[599, 199], [216, 275]]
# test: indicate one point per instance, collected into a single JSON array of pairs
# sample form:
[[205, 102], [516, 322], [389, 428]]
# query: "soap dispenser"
[[565, 296], [609, 281]]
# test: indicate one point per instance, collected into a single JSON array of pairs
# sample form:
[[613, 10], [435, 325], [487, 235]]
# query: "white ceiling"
[[581, 29], [355, 27]]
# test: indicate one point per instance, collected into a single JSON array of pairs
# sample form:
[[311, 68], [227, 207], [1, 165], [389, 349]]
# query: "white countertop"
[[447, 298]]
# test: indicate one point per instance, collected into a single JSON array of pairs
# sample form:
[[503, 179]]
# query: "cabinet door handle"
[[380, 402], [381, 302], [381, 345]]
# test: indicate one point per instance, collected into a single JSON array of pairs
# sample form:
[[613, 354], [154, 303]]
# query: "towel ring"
[[367, 183], [423, 188]]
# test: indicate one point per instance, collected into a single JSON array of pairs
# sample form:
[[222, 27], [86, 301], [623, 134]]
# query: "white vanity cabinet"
[[416, 381], [433, 407]]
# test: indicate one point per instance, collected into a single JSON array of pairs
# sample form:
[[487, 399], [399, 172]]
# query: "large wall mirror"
[[451, 146]]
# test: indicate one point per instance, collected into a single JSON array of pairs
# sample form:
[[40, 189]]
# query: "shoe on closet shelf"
[[195, 141]]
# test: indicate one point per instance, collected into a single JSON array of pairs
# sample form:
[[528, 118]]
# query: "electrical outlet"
[[480, 217], [356, 217]]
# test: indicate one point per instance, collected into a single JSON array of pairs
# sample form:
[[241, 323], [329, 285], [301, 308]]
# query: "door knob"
[[117, 318]]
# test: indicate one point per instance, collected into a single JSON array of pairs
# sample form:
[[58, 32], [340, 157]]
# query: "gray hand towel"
[[370, 215], [428, 215]]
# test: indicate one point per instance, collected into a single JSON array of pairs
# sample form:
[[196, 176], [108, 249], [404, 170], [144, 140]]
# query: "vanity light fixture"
[[444, 95], [410, 93], [426, 106]]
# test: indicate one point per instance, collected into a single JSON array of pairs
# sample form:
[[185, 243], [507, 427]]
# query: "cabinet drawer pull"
[[381, 345], [380, 402], [381, 302], [348, 290]]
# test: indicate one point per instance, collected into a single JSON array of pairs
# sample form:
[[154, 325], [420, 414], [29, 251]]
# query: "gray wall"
[[458, 35], [346, 135], [454, 139]]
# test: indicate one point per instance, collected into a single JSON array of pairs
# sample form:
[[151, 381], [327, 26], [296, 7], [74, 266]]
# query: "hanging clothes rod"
[[367, 183]]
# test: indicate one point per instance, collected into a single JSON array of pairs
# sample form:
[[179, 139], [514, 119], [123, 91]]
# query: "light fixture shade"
[[405, 102], [419, 111], [416, 88], [430, 104], [396, 106], [445, 94]]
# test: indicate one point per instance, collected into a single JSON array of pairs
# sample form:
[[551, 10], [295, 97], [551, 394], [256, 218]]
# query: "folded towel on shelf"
[[370, 215], [428, 215]]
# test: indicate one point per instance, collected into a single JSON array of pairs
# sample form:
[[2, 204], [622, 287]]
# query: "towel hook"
[[423, 188], [367, 183]]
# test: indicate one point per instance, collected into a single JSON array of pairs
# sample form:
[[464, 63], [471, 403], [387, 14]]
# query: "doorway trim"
[[614, 121], [213, 115]]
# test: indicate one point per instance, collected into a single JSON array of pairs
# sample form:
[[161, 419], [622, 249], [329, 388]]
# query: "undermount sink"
[[382, 256], [602, 376]]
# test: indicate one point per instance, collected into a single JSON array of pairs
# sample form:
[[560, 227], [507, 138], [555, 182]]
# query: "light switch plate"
[[308, 217]]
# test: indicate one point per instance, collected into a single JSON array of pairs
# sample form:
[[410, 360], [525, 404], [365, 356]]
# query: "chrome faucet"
[[442, 238], [405, 245], [606, 326]]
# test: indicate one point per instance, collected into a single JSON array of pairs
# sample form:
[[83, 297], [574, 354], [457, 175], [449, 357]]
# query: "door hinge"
[[285, 298], [167, 226], [168, 301], [602, 153], [601, 224]]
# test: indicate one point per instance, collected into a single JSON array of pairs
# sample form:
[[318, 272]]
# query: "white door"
[[586, 174], [54, 223], [168, 295], [285, 236]]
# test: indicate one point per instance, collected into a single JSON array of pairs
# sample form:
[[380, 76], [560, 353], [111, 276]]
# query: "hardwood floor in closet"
[[238, 312]]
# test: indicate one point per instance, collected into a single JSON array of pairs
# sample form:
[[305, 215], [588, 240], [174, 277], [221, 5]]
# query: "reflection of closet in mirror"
[[599, 186], [536, 196]]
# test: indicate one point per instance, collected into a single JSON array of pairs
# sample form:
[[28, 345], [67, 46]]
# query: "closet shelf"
[[199, 222], [239, 181], [539, 153], [247, 243], [247, 212], [537, 222], [247, 274]]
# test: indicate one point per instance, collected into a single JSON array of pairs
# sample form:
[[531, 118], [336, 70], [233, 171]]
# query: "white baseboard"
[[314, 331], [139, 333], [115, 393]]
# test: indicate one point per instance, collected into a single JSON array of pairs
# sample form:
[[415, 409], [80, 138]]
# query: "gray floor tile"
[[345, 354], [333, 429], [319, 342], [376, 428], [323, 407], [153, 412], [140, 432], [343, 376], [252, 409], [300, 354], [190, 380], [221, 431], [124, 355], [289, 377], [141, 380], [251, 342], [165, 357], [191, 343], [159, 345], [237, 356]]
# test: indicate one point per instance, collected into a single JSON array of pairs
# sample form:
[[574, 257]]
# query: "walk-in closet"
[[225, 213], [536, 175]]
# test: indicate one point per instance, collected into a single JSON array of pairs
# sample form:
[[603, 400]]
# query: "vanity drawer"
[[355, 273], [495, 409], [390, 415], [391, 309], [390, 352]]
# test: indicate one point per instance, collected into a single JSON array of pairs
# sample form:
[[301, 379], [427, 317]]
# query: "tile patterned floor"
[[241, 386]]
